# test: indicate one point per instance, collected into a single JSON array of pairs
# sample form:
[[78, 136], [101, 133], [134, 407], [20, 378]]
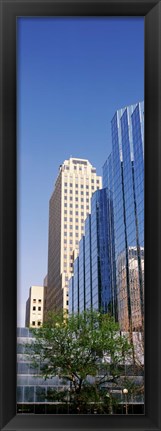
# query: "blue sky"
[[72, 75]]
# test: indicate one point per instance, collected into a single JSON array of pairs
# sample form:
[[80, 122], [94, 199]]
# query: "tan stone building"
[[69, 206], [35, 306]]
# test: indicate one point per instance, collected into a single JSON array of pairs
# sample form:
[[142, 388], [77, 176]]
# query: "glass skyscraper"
[[94, 276], [110, 275], [124, 174]]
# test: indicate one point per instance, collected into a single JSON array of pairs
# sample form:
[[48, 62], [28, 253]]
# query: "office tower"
[[123, 173], [68, 209], [35, 306], [93, 285]]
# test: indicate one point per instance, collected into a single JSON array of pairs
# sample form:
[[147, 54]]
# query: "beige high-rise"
[[69, 206]]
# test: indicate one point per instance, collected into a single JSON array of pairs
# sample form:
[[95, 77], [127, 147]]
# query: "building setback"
[[123, 173], [68, 209], [93, 285]]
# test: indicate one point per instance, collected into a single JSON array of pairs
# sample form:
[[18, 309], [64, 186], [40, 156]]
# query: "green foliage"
[[74, 348]]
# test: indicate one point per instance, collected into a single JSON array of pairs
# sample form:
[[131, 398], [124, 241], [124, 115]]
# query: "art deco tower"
[[68, 208]]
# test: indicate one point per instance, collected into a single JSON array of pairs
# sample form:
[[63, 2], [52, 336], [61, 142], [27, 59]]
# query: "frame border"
[[9, 11]]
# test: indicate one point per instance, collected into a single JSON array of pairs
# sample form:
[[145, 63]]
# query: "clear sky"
[[72, 75]]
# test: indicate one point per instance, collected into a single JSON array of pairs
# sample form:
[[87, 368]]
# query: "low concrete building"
[[35, 306]]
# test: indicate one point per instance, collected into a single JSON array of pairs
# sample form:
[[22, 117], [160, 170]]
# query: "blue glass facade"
[[82, 275], [102, 250], [96, 279], [71, 295], [76, 286], [88, 264], [124, 174], [111, 273]]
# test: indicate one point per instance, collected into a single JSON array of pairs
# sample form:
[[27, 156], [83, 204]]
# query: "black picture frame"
[[151, 10]]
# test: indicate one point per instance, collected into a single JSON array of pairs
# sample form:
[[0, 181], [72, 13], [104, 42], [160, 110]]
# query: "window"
[[38, 323], [65, 218], [65, 256], [65, 198], [70, 242], [82, 213], [39, 308], [71, 191], [39, 300], [76, 235], [34, 300], [82, 199], [82, 220], [92, 187], [87, 193], [76, 192], [65, 226], [87, 187], [76, 227], [82, 193], [71, 219], [76, 205], [76, 185], [87, 200], [92, 181], [65, 233], [76, 220], [71, 198], [34, 308], [97, 181], [65, 190], [33, 323], [82, 186], [76, 199], [67, 302], [71, 205], [76, 213], [65, 184], [65, 241], [65, 205], [65, 212], [71, 185], [71, 226], [82, 206], [71, 234], [70, 212], [87, 207]]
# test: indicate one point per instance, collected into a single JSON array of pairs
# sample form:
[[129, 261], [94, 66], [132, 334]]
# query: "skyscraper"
[[123, 173], [69, 206], [93, 285], [110, 269]]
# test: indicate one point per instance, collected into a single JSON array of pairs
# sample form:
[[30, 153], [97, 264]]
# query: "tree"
[[74, 348]]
